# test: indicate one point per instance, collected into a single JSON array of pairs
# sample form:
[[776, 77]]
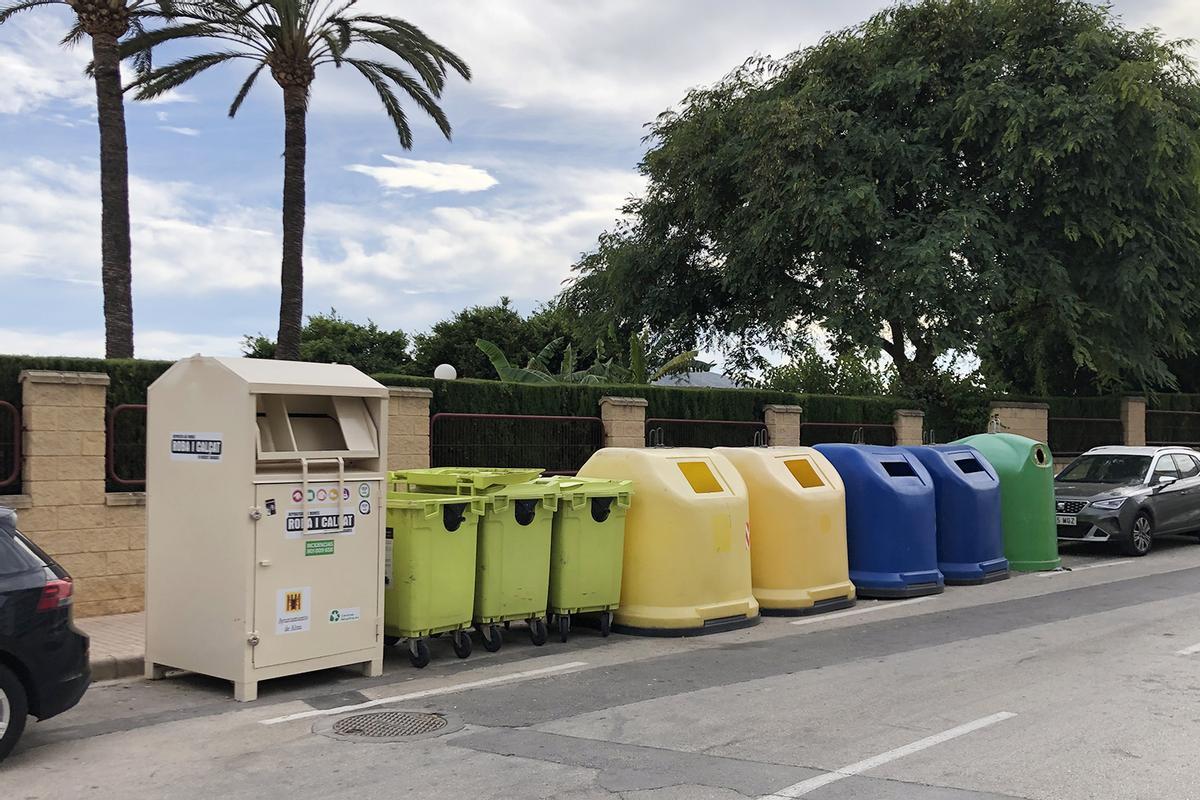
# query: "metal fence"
[[125, 455], [1173, 428], [1070, 436], [558, 445], [10, 448], [705, 433], [877, 433]]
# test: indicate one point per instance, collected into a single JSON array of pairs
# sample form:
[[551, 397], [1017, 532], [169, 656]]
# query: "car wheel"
[[13, 710], [1141, 536]]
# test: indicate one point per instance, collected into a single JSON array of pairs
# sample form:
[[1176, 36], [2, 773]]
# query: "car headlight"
[[1109, 505]]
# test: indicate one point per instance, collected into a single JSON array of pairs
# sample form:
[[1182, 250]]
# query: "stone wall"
[[624, 421], [1031, 420], [408, 428], [100, 538]]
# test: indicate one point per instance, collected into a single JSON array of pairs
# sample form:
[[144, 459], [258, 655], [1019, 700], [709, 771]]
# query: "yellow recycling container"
[[687, 542], [798, 529]]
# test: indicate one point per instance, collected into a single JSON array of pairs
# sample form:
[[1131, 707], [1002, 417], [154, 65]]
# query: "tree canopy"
[[949, 176], [330, 339]]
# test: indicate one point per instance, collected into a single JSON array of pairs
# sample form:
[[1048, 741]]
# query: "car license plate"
[[1064, 519]]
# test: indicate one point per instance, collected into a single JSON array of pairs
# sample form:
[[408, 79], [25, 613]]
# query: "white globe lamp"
[[445, 372]]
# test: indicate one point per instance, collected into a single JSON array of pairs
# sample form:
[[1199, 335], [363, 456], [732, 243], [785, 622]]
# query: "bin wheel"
[[564, 627], [391, 641], [606, 618], [492, 640], [537, 631], [462, 644], [418, 653]]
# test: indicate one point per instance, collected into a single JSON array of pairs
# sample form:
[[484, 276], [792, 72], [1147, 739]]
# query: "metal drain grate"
[[387, 726]]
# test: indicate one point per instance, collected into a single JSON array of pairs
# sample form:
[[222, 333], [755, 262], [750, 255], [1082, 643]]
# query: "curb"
[[109, 668]]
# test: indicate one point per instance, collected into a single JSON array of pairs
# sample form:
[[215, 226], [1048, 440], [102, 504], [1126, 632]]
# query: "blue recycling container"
[[970, 541], [891, 520]]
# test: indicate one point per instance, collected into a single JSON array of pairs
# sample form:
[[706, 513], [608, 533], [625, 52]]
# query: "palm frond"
[[16, 8], [74, 36], [441, 53], [164, 79], [680, 363], [416, 91], [370, 71], [245, 90]]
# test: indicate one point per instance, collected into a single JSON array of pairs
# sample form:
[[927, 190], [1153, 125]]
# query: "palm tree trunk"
[[114, 200], [295, 153]]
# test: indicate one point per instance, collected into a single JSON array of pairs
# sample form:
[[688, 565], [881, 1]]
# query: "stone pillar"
[[624, 421], [408, 427], [1133, 420], [99, 538], [1031, 420], [783, 425], [910, 427]]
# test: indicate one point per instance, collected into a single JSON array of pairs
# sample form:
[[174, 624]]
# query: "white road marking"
[[400, 698], [1188, 651], [1055, 573], [812, 784], [884, 604]]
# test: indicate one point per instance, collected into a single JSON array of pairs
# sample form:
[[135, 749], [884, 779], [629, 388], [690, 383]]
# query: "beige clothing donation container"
[[265, 520]]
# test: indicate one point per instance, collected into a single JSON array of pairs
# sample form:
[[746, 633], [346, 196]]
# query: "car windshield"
[[1106, 469]]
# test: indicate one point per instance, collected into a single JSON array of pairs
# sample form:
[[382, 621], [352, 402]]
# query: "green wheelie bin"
[[429, 570], [513, 559], [513, 566], [1026, 498], [587, 549]]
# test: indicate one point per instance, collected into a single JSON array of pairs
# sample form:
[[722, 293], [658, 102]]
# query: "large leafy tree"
[[104, 22], [948, 175], [292, 39], [331, 339]]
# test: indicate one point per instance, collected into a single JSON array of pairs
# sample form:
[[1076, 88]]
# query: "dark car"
[[1128, 495], [43, 656]]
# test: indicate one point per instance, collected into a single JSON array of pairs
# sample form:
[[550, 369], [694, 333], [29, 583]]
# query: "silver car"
[[1128, 495]]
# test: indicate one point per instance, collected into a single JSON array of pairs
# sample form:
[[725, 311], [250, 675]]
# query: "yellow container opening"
[[804, 473], [700, 476]]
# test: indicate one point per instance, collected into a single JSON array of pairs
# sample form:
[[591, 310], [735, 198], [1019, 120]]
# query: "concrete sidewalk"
[[118, 645]]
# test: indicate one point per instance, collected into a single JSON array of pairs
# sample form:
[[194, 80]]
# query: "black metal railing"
[[1181, 428], [705, 433], [125, 454], [877, 433], [1070, 436], [558, 445], [10, 448]]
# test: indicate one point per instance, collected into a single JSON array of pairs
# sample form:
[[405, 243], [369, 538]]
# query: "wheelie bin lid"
[[499, 497], [576, 491], [464, 480], [432, 504]]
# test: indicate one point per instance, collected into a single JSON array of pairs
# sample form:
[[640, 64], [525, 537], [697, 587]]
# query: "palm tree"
[[293, 38], [105, 22]]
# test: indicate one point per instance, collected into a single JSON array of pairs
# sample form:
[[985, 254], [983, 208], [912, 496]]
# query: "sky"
[[547, 137]]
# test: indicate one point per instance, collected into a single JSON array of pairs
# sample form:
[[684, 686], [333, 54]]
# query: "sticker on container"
[[297, 496], [318, 522], [293, 610], [364, 490], [747, 535], [387, 559], [320, 547], [345, 615], [364, 507], [270, 504], [196, 447]]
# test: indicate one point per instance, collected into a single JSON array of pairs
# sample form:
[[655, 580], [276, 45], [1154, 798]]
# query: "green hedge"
[[492, 397], [129, 377], [1173, 402]]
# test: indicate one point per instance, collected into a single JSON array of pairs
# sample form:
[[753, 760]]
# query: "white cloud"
[[90, 343], [37, 71], [430, 176], [404, 268], [180, 131]]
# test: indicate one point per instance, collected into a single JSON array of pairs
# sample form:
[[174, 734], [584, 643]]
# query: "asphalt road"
[[1080, 684]]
